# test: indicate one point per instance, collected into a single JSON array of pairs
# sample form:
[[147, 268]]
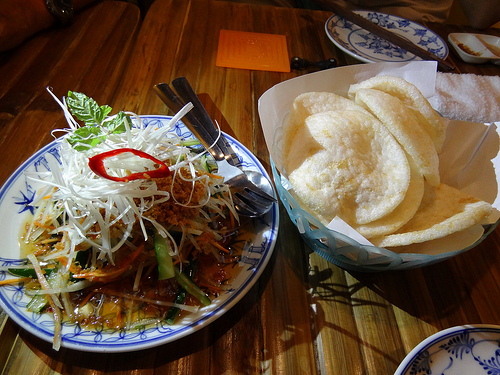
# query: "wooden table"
[[304, 315]]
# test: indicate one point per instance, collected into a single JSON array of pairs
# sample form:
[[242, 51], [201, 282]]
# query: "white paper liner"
[[469, 160]]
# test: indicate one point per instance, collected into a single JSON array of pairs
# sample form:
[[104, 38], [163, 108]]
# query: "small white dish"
[[476, 48], [467, 349]]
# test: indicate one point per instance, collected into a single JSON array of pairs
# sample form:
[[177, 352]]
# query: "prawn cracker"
[[347, 164], [253, 51]]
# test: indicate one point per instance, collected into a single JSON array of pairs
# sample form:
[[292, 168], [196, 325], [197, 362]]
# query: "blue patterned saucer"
[[468, 349], [367, 47]]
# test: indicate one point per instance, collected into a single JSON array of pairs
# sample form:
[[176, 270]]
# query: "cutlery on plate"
[[383, 33], [252, 192]]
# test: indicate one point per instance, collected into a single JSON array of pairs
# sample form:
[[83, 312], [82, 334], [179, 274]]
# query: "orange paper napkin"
[[253, 51]]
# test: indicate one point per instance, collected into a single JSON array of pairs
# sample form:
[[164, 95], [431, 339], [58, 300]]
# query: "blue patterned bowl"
[[346, 252]]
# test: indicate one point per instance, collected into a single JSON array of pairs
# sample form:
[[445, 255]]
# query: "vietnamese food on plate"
[[130, 229], [372, 160]]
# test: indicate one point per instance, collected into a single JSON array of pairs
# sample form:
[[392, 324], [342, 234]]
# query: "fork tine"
[[257, 204], [259, 195], [243, 207], [243, 182]]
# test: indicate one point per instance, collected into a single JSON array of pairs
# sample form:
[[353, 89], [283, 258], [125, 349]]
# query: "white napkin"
[[467, 97]]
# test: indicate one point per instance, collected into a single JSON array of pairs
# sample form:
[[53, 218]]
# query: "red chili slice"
[[96, 163]]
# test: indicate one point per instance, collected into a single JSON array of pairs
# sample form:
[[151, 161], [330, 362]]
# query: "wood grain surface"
[[304, 315]]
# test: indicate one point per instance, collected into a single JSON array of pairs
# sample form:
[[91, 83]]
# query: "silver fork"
[[253, 194]]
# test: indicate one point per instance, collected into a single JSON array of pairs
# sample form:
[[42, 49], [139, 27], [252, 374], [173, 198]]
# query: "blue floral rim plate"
[[367, 47], [468, 349], [15, 198]]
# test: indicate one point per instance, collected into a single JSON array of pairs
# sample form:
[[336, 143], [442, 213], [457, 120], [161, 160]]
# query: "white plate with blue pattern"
[[15, 198], [367, 47], [468, 349]]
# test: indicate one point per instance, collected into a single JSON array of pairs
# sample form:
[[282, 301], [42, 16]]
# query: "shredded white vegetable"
[[83, 210], [85, 201]]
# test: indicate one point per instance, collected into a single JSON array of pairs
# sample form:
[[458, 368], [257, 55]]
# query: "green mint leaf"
[[86, 137], [116, 125], [86, 109], [97, 125]]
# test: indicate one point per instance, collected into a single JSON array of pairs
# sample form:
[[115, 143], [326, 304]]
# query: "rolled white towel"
[[467, 97]]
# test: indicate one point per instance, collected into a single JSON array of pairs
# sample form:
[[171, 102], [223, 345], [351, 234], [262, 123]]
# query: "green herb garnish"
[[97, 124]]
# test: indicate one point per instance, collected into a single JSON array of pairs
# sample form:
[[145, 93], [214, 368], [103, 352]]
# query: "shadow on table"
[[440, 294]]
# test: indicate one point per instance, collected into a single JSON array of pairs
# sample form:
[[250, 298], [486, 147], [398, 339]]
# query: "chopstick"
[[383, 33]]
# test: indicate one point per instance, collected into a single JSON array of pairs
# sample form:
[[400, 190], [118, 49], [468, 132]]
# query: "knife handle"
[[175, 104], [186, 92]]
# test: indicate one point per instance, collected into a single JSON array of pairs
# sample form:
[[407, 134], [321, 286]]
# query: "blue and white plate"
[[367, 47], [468, 349], [15, 198]]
